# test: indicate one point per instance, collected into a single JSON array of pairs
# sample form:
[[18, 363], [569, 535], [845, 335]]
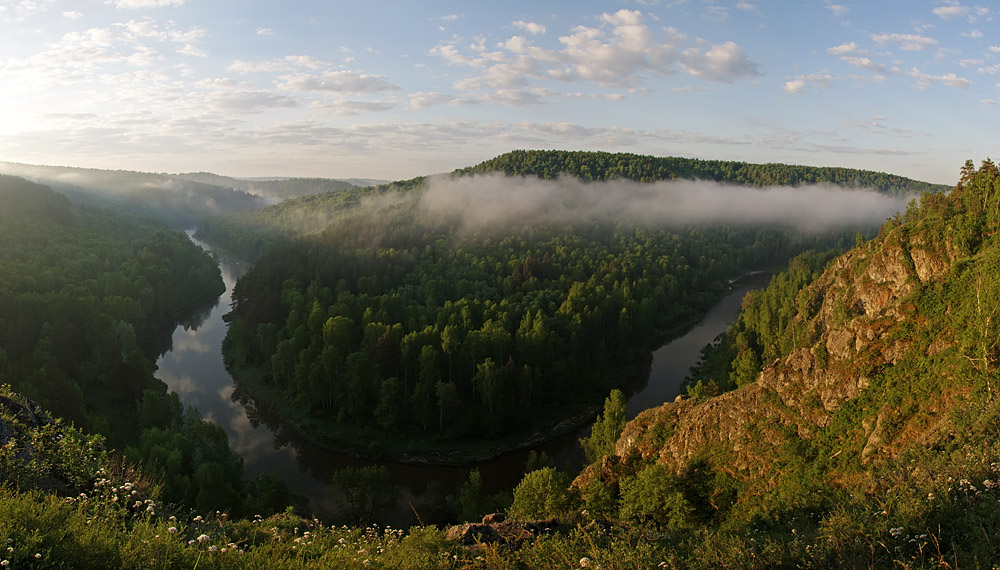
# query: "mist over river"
[[193, 368]]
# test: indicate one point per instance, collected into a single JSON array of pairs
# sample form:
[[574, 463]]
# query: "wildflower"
[[191, 542], [197, 518], [202, 537], [172, 530], [5, 563], [213, 548], [896, 531], [367, 562], [38, 555], [584, 562]]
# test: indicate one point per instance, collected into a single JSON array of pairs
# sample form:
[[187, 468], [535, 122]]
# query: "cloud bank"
[[494, 202]]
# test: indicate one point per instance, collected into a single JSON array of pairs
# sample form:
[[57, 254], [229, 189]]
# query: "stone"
[[469, 534]]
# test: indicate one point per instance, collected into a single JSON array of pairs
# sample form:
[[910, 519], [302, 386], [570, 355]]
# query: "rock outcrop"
[[851, 316]]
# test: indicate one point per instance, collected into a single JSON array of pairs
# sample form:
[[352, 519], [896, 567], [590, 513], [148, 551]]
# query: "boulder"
[[469, 534]]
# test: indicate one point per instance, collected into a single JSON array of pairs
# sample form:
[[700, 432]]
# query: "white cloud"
[[796, 85], [265, 32], [136, 4], [20, 10], [287, 63], [72, 15], [951, 10], [688, 89], [337, 82], [844, 49], [799, 82], [251, 101], [865, 63], [530, 27], [974, 34], [745, 6], [906, 42], [989, 70], [838, 10], [969, 62], [423, 100], [353, 108], [621, 52], [724, 63], [924, 80]]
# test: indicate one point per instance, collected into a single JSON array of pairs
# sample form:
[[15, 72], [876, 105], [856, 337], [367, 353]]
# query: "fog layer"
[[484, 202]]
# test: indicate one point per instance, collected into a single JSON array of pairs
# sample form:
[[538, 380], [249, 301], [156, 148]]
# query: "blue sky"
[[398, 89]]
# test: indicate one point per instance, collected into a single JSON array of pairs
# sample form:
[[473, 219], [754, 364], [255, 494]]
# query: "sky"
[[393, 90]]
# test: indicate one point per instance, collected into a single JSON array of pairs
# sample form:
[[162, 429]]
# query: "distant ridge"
[[645, 168], [180, 200]]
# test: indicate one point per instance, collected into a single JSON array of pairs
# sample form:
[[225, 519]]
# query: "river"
[[193, 368]]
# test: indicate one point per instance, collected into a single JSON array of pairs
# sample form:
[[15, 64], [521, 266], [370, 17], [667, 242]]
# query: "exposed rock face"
[[497, 528], [851, 311], [27, 414], [469, 534]]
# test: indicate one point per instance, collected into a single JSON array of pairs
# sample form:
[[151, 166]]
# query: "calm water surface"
[[193, 368]]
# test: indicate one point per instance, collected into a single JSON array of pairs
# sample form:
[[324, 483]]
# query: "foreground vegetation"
[[73, 505]]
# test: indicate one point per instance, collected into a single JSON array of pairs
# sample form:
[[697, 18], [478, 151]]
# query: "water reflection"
[[193, 368]]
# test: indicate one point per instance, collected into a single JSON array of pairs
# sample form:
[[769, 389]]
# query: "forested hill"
[[250, 234], [88, 300], [850, 417], [607, 166], [273, 189], [384, 324], [176, 202]]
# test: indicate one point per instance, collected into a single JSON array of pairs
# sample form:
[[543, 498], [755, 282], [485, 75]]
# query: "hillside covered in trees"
[[248, 235], [392, 329], [594, 166], [850, 416], [88, 299]]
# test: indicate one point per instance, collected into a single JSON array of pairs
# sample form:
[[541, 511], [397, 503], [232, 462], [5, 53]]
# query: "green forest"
[[390, 333], [593, 166], [88, 299]]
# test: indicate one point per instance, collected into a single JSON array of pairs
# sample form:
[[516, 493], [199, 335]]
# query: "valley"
[[356, 337]]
